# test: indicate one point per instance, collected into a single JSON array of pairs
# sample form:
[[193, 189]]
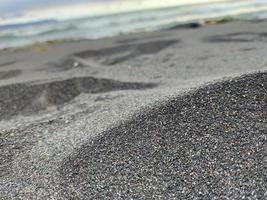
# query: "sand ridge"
[[207, 144]]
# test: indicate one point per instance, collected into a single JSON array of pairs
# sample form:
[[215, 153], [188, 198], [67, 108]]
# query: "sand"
[[175, 114]]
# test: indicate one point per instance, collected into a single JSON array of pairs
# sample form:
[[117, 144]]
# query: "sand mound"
[[208, 144], [27, 98]]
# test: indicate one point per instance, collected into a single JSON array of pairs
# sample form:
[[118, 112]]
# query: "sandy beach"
[[174, 114]]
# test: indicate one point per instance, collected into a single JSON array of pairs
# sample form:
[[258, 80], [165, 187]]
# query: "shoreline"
[[165, 27]]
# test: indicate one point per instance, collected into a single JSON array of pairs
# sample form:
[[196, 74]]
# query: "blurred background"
[[24, 22]]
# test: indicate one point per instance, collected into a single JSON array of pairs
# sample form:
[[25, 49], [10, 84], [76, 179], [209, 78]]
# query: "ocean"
[[94, 27]]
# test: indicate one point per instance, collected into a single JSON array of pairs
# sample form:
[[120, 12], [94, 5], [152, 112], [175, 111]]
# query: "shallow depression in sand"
[[239, 37], [27, 98], [122, 53], [9, 74]]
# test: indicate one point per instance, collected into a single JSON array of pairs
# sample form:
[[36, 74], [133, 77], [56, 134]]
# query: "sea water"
[[14, 35]]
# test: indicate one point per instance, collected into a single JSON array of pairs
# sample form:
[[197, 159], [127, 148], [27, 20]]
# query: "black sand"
[[208, 144], [117, 118], [27, 98]]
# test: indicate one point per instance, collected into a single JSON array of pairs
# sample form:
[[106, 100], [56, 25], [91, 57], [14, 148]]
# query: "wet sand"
[[177, 114]]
